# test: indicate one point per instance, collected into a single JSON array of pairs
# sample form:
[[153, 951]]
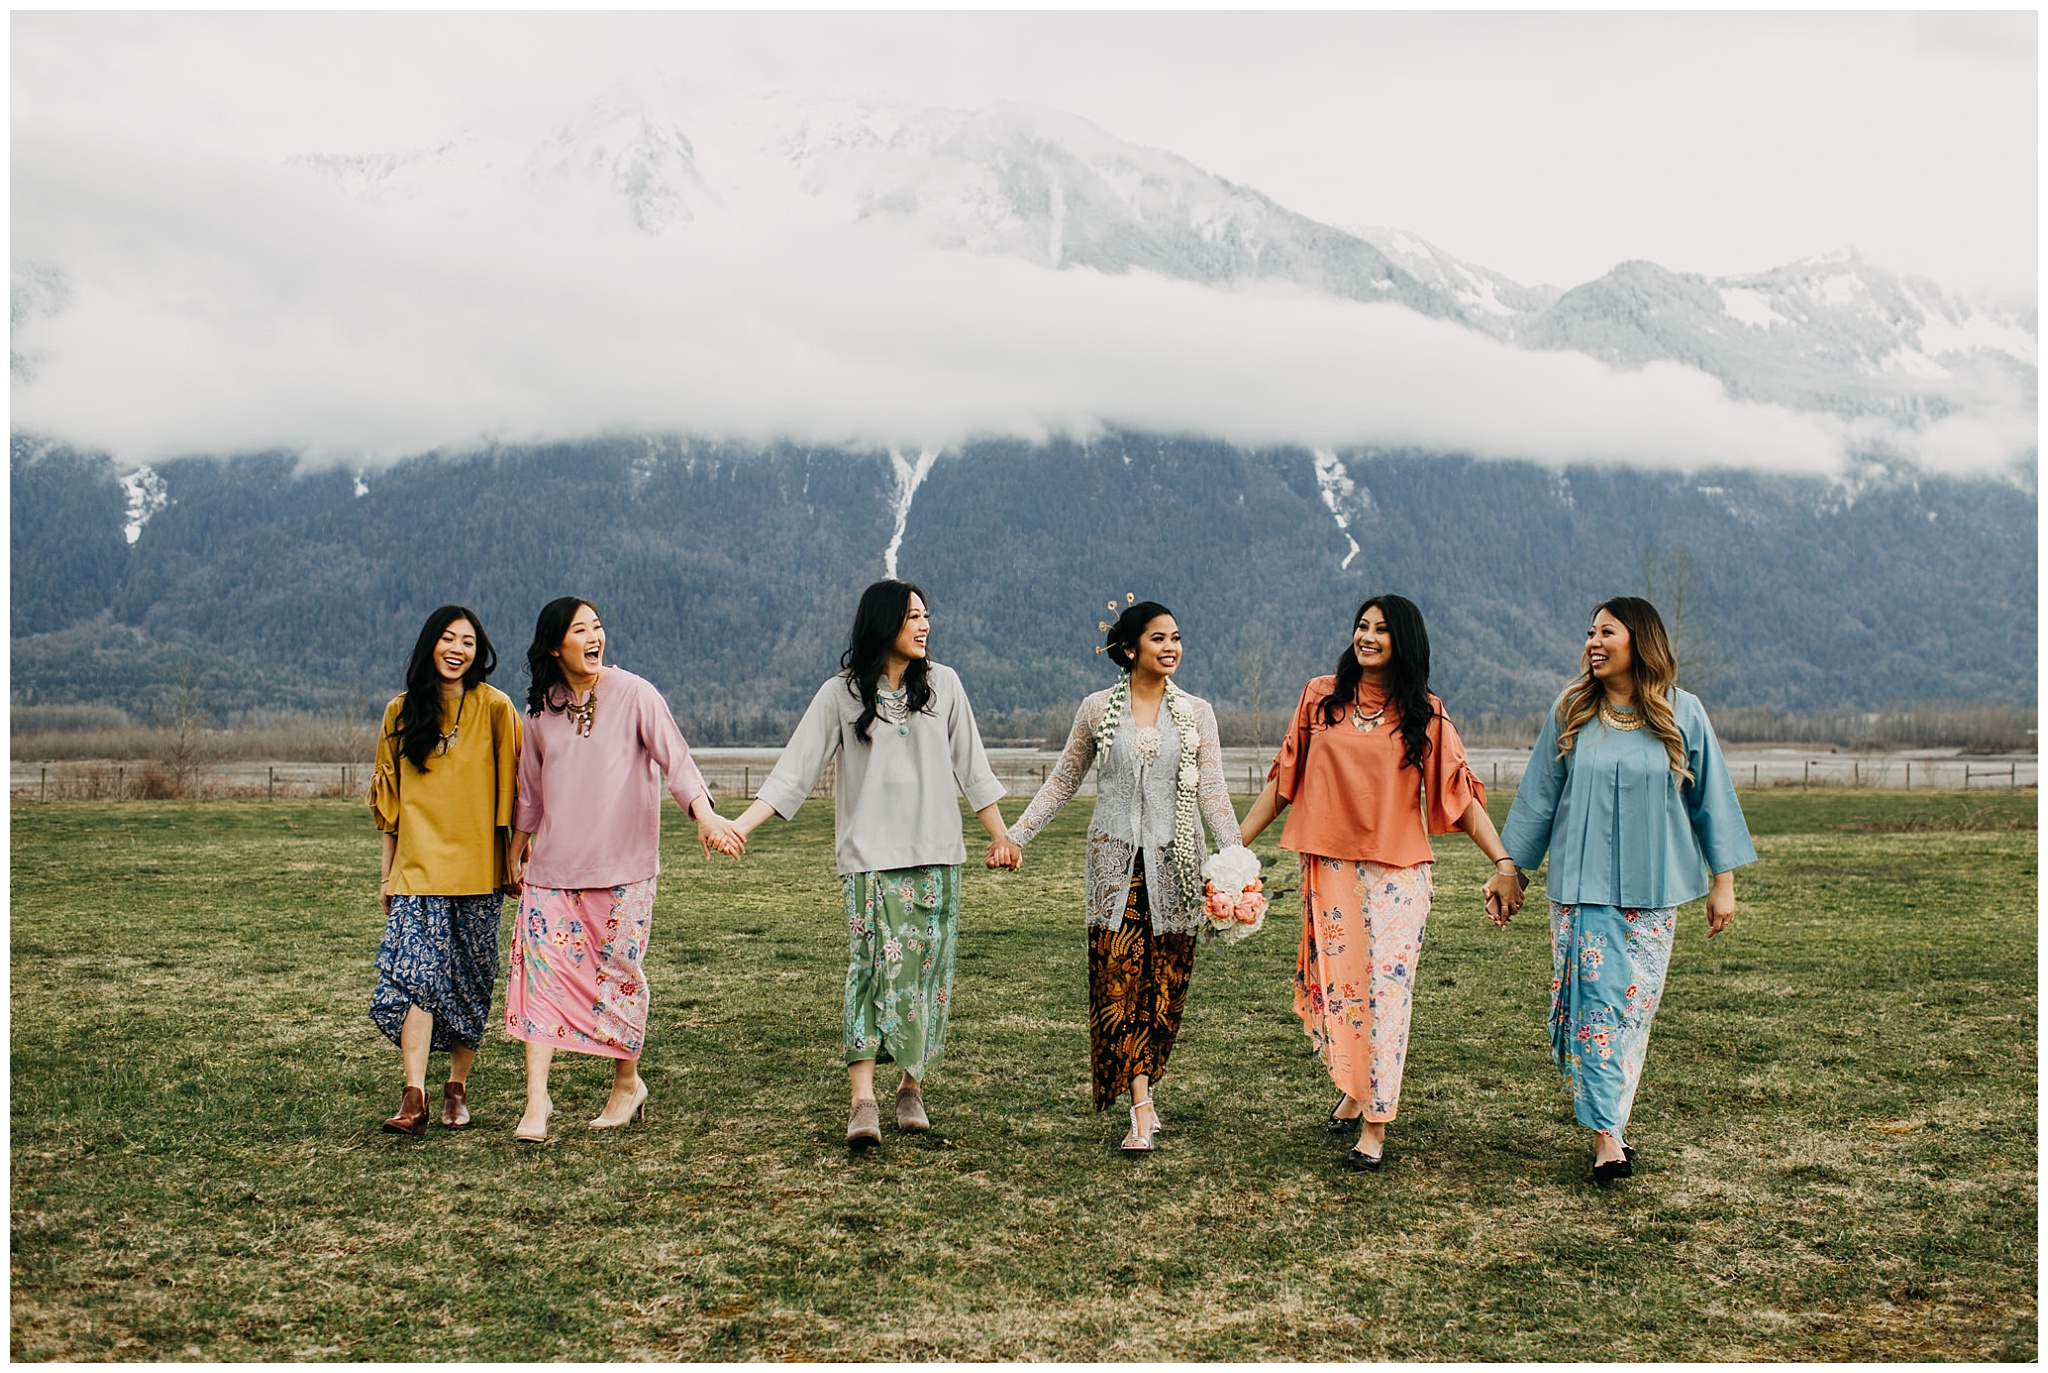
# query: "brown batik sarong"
[[1137, 988]]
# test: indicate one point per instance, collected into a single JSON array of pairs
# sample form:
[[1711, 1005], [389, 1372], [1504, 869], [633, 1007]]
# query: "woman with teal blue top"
[[1628, 792]]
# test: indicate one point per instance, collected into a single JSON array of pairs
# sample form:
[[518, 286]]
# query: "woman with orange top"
[[1372, 767]]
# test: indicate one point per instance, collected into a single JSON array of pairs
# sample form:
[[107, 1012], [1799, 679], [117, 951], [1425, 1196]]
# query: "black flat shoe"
[[1604, 1173], [1364, 1163], [1339, 1125]]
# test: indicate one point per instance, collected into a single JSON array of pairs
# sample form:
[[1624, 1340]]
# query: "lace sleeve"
[[1213, 791], [1065, 779]]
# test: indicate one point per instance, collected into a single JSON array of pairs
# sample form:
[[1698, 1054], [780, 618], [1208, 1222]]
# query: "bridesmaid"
[[589, 811], [447, 756], [1629, 794], [1373, 767], [904, 737], [1161, 764]]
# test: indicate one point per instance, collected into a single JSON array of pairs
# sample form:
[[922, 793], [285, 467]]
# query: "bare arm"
[[1504, 889], [1261, 814], [1002, 850], [1720, 902], [515, 856]]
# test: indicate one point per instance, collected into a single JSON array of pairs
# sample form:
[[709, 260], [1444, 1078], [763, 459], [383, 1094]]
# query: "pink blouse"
[[593, 803]]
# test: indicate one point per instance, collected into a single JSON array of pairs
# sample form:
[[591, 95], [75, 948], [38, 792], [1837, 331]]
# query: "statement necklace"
[[448, 739], [894, 705], [1366, 724], [582, 718], [1614, 717]]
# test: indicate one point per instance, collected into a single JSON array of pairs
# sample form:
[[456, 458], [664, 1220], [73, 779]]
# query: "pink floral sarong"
[[575, 980], [1354, 979]]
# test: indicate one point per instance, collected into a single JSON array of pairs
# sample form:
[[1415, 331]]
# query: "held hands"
[[1504, 893], [715, 833], [1004, 853]]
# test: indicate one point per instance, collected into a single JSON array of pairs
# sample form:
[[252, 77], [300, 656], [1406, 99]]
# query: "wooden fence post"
[[44, 795]]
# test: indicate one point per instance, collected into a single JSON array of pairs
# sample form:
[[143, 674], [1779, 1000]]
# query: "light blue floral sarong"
[[901, 927], [1606, 977]]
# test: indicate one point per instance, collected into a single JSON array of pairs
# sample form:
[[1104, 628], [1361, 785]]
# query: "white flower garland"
[[1187, 848]]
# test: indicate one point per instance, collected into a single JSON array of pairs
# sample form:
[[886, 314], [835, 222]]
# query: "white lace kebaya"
[[1140, 804]]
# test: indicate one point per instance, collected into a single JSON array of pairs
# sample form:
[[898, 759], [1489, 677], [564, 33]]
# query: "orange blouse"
[[1351, 795]]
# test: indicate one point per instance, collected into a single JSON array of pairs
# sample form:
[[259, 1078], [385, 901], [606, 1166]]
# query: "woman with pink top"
[[586, 848]]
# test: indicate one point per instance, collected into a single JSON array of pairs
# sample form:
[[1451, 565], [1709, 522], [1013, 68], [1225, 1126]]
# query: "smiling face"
[[454, 652], [917, 628], [1373, 643], [582, 652], [1157, 651], [1608, 654]]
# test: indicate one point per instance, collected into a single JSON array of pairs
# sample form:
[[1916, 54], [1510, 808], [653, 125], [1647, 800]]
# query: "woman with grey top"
[[904, 735], [1161, 765]]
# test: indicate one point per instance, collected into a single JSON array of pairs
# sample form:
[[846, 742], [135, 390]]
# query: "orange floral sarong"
[[1354, 979]]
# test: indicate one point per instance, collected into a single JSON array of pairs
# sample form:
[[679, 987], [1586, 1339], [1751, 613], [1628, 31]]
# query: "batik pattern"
[[440, 953], [1137, 989]]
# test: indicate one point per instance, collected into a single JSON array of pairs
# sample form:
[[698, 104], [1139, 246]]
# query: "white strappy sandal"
[[1134, 1142]]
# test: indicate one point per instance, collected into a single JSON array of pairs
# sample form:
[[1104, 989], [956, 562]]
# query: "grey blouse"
[[1134, 810], [895, 794]]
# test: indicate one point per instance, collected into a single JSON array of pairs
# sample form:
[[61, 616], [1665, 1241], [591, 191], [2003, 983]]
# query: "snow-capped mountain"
[[1835, 334]]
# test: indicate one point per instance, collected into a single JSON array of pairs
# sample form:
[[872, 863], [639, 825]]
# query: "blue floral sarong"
[[440, 953], [1606, 977]]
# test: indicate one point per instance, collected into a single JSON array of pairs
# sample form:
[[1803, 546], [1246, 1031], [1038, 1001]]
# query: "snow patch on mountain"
[[908, 476], [1751, 307], [1340, 497], [145, 495]]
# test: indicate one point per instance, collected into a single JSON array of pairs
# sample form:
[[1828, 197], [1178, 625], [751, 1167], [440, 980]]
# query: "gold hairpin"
[[1102, 626]]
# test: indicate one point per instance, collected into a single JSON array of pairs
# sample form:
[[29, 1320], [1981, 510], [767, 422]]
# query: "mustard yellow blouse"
[[450, 820]]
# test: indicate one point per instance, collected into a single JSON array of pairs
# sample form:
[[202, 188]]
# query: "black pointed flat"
[[1364, 1163], [1339, 1125], [1613, 1171]]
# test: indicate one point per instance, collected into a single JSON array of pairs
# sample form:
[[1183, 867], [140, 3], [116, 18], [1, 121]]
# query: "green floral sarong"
[[900, 930]]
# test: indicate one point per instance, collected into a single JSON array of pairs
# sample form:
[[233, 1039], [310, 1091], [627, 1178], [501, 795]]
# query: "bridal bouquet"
[[1233, 896]]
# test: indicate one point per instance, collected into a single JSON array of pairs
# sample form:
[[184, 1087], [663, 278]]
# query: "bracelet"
[[1505, 858]]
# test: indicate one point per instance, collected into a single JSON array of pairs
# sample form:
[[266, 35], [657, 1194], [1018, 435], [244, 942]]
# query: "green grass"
[[1837, 1125]]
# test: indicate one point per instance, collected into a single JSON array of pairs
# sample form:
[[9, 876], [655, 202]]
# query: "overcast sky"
[[1547, 147]]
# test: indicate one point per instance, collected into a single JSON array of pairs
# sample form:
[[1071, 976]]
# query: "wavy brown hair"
[[1652, 665]]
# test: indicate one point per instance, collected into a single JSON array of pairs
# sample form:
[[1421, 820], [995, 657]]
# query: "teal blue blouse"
[[1622, 829]]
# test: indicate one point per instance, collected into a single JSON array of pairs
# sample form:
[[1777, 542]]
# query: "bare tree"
[[185, 753], [1253, 672], [1673, 582]]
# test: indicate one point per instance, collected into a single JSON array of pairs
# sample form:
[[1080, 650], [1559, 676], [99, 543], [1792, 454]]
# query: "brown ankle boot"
[[412, 1113], [454, 1106]]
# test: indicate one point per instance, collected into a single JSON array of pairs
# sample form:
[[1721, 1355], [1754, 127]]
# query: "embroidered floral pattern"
[[1607, 976], [571, 986], [1354, 978], [901, 927]]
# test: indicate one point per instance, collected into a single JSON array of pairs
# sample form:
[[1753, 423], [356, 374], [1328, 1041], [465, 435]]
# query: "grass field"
[[1837, 1125]]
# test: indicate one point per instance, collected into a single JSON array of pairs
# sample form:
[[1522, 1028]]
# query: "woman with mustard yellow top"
[[446, 759]]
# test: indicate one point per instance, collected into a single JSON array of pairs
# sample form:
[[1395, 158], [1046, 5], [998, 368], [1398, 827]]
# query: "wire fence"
[[738, 774]]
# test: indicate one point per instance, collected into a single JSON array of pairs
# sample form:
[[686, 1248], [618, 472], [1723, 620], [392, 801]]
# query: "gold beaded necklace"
[[1614, 717]]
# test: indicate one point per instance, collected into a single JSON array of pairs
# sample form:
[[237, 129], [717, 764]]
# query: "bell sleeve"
[[1064, 782], [1453, 786], [384, 780], [1709, 798], [505, 738], [1285, 773], [1527, 831]]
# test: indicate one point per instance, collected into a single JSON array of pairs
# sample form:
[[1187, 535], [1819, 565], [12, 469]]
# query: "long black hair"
[[1407, 679], [543, 668], [419, 719], [876, 623], [1122, 643]]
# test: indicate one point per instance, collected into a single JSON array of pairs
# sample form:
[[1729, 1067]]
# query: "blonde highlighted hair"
[[1654, 668]]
